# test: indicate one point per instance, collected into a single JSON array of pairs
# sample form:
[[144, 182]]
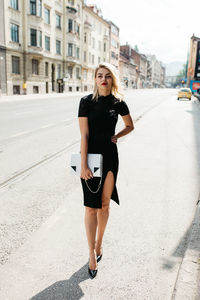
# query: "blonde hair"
[[116, 89]]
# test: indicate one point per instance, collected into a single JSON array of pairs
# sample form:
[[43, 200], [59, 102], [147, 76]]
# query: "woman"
[[98, 114]]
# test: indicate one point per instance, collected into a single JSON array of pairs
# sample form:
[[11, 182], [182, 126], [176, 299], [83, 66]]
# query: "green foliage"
[[182, 73], [136, 48]]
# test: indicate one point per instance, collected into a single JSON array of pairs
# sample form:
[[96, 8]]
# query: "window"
[[40, 38], [58, 21], [85, 88], [16, 90], [35, 66], [70, 71], [104, 47], [70, 25], [70, 88], [93, 59], [33, 37], [77, 73], [70, 49], [47, 43], [99, 60], [78, 29], [85, 56], [39, 8], [71, 2], [58, 47], [85, 37], [89, 57], [14, 33], [35, 89], [14, 4], [114, 30], [85, 74], [46, 69], [93, 42], [78, 8], [47, 15], [15, 65], [114, 43], [59, 71], [113, 54], [77, 88], [77, 53], [33, 7]]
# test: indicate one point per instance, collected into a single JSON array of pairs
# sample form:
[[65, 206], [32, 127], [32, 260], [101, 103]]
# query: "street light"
[[1, 59]]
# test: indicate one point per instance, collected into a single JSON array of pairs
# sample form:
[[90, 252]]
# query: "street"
[[43, 248]]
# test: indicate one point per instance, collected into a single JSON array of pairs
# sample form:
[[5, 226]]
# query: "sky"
[[159, 27]]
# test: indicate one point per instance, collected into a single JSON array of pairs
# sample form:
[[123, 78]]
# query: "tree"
[[182, 73]]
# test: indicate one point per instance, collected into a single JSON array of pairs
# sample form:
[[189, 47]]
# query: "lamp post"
[[1, 60]]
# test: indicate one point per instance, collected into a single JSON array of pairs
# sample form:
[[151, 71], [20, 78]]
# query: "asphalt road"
[[43, 250]]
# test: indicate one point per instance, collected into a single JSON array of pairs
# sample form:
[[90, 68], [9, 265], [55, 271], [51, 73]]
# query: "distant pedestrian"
[[98, 115]]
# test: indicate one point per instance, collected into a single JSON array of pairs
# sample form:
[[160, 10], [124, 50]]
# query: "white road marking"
[[46, 126], [20, 133], [42, 127]]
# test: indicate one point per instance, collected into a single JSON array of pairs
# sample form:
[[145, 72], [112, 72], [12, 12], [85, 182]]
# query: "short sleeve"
[[123, 108], [83, 108]]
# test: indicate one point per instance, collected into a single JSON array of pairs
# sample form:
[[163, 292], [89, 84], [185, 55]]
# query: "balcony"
[[73, 37], [72, 60], [71, 10], [106, 37], [87, 25]]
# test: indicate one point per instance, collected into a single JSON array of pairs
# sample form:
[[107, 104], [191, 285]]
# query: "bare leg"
[[103, 213], [91, 228]]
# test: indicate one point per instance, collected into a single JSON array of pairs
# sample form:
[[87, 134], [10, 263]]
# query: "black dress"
[[102, 119]]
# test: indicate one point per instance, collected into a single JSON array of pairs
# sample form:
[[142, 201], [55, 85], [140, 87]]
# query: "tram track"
[[59, 153]]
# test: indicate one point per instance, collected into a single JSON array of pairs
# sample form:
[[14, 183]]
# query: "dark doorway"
[[47, 87], [53, 77]]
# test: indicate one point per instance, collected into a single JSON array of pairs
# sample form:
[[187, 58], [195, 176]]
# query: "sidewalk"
[[188, 281], [17, 98], [146, 237]]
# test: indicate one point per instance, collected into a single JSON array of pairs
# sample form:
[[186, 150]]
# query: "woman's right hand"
[[86, 173]]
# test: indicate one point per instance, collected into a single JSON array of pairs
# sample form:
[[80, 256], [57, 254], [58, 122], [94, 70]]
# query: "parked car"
[[184, 93]]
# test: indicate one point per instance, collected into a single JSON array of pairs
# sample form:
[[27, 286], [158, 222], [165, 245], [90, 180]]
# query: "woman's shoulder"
[[121, 106], [86, 98], [117, 100]]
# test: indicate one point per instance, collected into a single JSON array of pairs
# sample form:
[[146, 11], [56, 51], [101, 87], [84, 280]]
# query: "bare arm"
[[128, 122], [86, 173]]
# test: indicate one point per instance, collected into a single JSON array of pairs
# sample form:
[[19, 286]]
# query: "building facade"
[[127, 71], [157, 78], [52, 46], [34, 46], [95, 44], [193, 71], [114, 44]]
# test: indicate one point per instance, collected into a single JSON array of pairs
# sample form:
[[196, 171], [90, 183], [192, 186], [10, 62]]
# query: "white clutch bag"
[[95, 163]]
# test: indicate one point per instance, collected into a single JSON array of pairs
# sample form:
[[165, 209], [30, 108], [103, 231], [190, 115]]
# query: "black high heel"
[[92, 273], [99, 257]]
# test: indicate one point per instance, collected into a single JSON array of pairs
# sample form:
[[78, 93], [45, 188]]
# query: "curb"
[[188, 280], [39, 96]]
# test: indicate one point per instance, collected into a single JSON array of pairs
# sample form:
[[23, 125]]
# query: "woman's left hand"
[[114, 139]]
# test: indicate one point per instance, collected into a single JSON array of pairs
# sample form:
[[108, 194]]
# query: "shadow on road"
[[191, 238], [65, 289]]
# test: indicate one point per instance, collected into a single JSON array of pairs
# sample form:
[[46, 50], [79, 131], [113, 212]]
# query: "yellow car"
[[184, 93]]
